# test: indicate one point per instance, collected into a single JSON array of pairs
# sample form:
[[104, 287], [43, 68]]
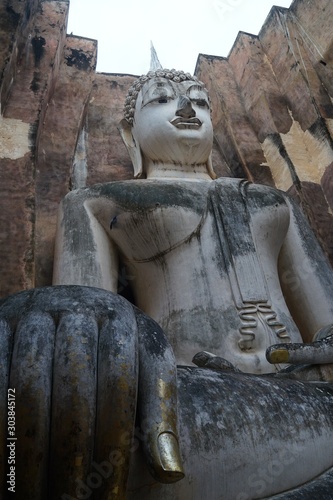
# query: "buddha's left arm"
[[84, 254], [306, 276]]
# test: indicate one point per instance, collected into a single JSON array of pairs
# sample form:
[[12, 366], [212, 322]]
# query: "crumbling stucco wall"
[[272, 114]]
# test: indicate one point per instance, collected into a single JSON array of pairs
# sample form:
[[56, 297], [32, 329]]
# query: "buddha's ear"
[[132, 145], [210, 167]]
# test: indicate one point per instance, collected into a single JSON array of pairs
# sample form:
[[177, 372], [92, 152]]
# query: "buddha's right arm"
[[306, 276], [84, 254]]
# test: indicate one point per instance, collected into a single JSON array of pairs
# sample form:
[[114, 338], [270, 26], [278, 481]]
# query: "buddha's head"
[[167, 122]]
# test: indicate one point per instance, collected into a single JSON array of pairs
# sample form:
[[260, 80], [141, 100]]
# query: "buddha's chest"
[[146, 235], [151, 222]]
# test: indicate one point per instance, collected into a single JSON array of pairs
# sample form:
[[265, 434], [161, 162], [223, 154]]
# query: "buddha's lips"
[[180, 122]]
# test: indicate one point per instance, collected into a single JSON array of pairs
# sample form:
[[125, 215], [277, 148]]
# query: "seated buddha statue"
[[222, 265], [221, 271]]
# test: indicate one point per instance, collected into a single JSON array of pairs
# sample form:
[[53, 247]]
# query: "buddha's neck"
[[171, 171]]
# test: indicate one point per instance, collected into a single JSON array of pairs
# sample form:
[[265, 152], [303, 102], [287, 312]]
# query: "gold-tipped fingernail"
[[170, 457], [279, 356]]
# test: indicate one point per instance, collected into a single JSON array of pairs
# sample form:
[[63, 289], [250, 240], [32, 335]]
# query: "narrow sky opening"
[[179, 29]]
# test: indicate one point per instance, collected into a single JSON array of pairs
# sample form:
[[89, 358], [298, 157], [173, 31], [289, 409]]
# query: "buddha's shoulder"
[[258, 195], [134, 194], [261, 196], [131, 194]]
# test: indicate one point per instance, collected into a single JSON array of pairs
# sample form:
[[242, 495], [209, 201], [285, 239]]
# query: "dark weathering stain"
[[33, 135], [35, 84], [13, 17], [78, 59], [152, 337], [38, 43]]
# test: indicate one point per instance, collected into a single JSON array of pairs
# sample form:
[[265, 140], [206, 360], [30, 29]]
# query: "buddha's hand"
[[70, 354], [80, 361], [206, 359], [319, 353]]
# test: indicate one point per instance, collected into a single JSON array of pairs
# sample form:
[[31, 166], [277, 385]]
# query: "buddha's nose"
[[184, 107]]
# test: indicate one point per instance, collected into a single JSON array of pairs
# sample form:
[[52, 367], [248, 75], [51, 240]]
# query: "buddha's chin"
[[183, 152], [191, 132]]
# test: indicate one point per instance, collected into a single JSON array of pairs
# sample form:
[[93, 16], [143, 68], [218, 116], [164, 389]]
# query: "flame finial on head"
[[154, 60]]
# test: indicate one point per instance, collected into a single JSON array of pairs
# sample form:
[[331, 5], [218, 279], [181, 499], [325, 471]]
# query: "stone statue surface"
[[226, 272], [222, 265]]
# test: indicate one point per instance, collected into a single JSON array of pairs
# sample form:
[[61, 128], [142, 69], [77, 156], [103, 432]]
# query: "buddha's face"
[[172, 122]]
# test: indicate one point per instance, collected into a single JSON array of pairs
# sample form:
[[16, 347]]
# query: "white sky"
[[179, 29]]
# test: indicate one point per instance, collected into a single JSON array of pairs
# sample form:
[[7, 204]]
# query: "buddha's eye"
[[202, 103]]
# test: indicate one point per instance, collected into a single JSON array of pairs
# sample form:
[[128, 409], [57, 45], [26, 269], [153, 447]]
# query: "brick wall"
[[272, 115]]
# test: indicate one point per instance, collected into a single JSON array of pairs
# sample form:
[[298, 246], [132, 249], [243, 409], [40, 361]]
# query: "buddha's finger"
[[206, 359], [316, 353], [116, 400], [158, 402], [73, 402], [30, 385]]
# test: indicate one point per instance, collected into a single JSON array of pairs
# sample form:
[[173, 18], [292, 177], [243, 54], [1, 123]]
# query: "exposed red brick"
[[65, 115], [107, 156], [276, 86]]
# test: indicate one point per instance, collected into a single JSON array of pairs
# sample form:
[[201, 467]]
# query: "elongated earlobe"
[[133, 147]]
